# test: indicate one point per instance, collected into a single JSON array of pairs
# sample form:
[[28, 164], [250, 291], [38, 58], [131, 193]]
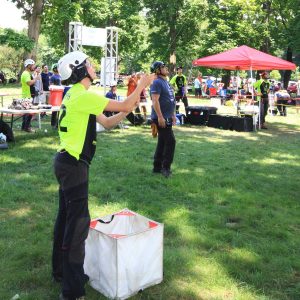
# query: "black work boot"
[[166, 172]]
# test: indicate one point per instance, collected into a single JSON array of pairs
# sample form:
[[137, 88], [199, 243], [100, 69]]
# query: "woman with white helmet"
[[79, 112]]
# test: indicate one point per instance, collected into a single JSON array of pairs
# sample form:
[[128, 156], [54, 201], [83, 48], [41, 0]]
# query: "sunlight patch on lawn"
[[98, 208], [51, 188], [199, 171], [273, 162], [32, 144], [177, 215], [281, 156], [23, 176], [245, 255], [221, 285], [10, 159], [21, 212]]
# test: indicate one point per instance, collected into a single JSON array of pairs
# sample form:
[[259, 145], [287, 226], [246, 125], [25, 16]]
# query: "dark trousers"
[[165, 149], [179, 96], [54, 119], [281, 106], [72, 224], [26, 121], [264, 104]]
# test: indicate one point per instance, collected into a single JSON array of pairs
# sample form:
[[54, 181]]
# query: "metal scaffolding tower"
[[110, 68], [111, 55], [75, 36]]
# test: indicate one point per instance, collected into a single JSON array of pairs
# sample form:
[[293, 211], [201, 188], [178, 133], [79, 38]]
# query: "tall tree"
[[285, 17], [175, 27], [124, 14], [32, 12]]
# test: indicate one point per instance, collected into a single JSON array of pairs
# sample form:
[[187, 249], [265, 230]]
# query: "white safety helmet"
[[28, 62], [69, 62]]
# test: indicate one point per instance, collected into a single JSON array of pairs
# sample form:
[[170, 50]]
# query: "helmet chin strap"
[[88, 75], [90, 78]]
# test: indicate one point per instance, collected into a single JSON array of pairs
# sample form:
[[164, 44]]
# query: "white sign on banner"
[[94, 36], [108, 70]]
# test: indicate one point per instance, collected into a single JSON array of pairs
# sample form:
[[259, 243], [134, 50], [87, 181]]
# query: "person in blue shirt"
[[111, 94], [163, 116], [46, 81], [209, 84], [55, 79]]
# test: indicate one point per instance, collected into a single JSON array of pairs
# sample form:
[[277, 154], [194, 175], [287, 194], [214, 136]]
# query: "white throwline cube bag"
[[124, 254]]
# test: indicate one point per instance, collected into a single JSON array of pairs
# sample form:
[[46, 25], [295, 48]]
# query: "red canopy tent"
[[244, 58]]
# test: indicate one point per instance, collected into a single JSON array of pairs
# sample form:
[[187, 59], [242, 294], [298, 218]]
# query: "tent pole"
[[252, 96], [237, 92]]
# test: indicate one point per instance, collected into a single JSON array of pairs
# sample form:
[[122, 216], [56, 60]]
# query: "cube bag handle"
[[106, 222]]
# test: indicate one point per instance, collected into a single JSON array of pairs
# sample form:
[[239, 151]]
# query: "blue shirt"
[[111, 95], [55, 79], [209, 83], [166, 98], [46, 80]]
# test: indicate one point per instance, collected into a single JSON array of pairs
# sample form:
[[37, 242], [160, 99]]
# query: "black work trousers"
[[72, 224], [165, 149], [54, 119], [26, 124], [179, 96], [263, 109]]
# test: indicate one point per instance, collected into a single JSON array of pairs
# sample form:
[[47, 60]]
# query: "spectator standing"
[[163, 116], [55, 79], [28, 82], [198, 85], [262, 88], [46, 82], [143, 97], [38, 86], [209, 84], [132, 84], [179, 82]]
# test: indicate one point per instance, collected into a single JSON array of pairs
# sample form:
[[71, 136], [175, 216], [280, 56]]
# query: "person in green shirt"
[[79, 112], [179, 82], [27, 83], [262, 88]]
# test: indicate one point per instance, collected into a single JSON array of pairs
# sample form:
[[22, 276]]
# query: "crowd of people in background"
[[267, 92]]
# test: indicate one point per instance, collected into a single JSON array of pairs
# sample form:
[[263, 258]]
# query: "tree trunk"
[[34, 25], [172, 35], [287, 73], [66, 32], [226, 79]]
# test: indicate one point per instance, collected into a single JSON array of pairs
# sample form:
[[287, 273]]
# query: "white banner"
[[94, 36], [108, 70]]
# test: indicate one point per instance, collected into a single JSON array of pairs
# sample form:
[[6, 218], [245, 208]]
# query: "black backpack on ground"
[[5, 129]]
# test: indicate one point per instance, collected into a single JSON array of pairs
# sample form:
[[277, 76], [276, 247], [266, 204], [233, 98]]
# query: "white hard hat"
[[67, 63], [28, 61]]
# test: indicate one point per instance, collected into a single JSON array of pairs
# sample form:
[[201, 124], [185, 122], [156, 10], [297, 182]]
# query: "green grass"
[[230, 210]]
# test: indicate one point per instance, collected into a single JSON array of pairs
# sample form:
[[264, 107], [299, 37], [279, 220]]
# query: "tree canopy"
[[162, 30]]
